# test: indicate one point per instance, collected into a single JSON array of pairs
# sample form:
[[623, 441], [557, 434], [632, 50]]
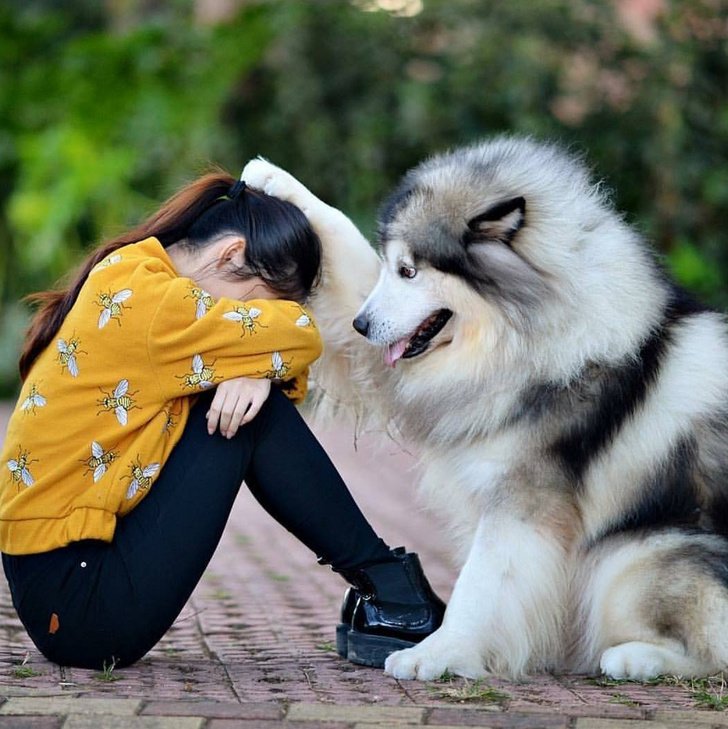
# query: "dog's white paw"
[[272, 180], [636, 661], [433, 657]]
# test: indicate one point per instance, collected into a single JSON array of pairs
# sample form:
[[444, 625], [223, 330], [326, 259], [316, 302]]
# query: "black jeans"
[[113, 601]]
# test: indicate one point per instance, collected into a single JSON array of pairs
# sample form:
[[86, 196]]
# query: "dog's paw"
[[635, 661], [433, 657], [262, 175]]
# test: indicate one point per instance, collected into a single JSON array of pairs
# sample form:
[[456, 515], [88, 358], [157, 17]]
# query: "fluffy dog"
[[569, 403]]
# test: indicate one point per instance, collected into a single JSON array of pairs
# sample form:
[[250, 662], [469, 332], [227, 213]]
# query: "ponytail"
[[169, 225]]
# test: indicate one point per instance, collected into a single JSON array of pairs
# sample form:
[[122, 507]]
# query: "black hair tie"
[[236, 189]]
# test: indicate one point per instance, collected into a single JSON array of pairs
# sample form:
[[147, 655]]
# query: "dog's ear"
[[499, 223]]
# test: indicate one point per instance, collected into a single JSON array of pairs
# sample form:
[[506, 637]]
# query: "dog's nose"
[[361, 324]]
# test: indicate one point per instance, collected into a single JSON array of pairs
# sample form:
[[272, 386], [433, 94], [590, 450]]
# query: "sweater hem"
[[33, 536]]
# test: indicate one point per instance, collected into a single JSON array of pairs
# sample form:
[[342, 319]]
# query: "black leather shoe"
[[351, 596], [395, 608]]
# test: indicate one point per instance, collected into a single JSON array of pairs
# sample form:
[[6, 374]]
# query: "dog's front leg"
[[507, 609], [350, 265], [350, 367]]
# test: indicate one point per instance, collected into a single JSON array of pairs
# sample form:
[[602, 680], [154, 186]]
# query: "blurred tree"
[[105, 109]]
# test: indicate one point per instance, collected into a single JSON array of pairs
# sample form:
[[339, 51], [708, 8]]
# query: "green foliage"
[[114, 105]]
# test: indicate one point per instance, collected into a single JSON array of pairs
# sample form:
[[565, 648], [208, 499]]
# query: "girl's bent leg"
[[93, 603], [294, 480], [112, 602]]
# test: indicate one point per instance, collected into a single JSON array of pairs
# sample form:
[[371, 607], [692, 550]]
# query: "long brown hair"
[[281, 248]]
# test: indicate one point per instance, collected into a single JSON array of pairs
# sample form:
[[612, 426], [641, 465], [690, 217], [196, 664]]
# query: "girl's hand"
[[236, 403]]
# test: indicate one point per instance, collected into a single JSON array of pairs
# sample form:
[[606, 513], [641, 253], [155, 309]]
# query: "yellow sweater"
[[107, 400]]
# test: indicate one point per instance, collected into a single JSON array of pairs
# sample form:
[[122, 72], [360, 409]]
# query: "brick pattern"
[[254, 645]]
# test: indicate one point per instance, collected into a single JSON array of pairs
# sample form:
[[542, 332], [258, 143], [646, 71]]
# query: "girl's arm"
[[194, 343]]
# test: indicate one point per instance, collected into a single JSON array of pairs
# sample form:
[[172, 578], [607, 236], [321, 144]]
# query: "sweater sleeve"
[[195, 342]]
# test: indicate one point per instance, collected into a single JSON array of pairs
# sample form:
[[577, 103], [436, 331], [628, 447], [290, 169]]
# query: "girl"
[[164, 375]]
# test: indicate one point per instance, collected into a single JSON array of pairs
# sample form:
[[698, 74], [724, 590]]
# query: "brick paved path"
[[254, 646]]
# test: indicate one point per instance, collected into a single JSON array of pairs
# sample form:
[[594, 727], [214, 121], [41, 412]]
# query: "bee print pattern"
[[304, 320], [121, 401], [171, 416], [110, 261], [112, 306], [33, 400], [99, 460], [246, 317], [19, 468], [204, 300], [202, 375], [279, 368], [141, 478], [67, 351]]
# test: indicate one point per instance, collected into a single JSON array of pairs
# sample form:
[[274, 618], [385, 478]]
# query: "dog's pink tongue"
[[393, 352]]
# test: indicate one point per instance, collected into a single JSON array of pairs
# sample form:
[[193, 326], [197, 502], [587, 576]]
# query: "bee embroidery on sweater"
[[246, 317], [141, 478], [112, 306], [99, 460], [304, 320], [279, 368], [205, 302], [19, 468], [67, 351], [120, 401], [33, 401], [171, 419], [202, 375], [110, 261]]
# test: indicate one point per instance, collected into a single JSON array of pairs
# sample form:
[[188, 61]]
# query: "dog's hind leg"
[[640, 661], [656, 605]]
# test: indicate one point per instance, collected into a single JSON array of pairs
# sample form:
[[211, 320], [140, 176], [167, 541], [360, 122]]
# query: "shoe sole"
[[367, 650]]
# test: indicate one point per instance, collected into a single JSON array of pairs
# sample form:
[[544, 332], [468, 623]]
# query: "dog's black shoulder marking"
[[621, 390], [607, 396], [667, 497]]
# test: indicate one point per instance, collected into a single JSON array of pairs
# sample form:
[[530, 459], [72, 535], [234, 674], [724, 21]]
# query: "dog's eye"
[[406, 271]]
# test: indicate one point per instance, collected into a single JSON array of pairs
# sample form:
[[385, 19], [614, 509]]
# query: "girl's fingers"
[[238, 417], [236, 402], [253, 409], [227, 412], [213, 414]]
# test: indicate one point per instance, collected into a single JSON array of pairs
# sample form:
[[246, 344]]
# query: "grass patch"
[[24, 672], [470, 692], [326, 646], [107, 674], [710, 692], [623, 699]]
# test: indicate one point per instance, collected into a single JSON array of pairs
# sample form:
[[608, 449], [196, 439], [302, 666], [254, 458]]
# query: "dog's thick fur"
[[571, 415]]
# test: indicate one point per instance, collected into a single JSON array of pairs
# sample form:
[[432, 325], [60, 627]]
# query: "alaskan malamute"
[[569, 403]]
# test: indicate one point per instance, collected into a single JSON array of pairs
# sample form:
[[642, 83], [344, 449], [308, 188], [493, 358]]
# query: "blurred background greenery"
[[107, 107]]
